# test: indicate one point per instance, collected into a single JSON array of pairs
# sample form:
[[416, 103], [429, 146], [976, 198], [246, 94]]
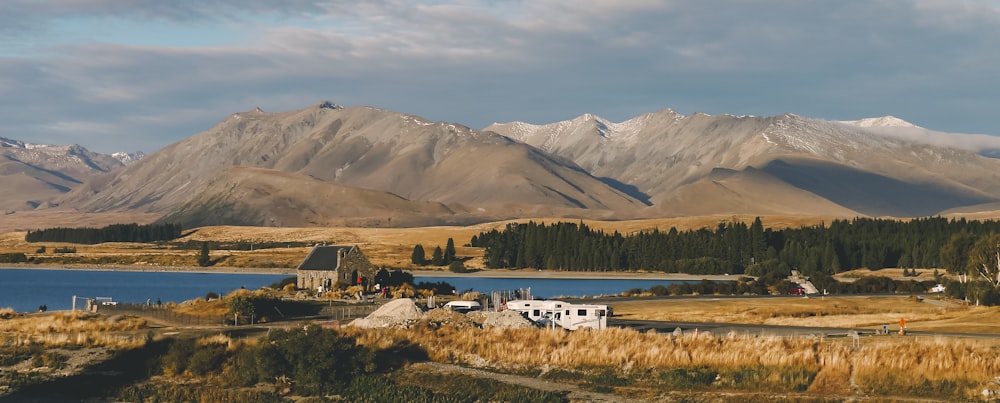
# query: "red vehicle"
[[797, 291]]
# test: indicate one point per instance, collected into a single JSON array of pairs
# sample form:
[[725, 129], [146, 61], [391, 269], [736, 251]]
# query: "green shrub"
[[281, 284], [156, 392], [206, 359], [457, 267], [893, 384], [688, 378], [760, 378], [606, 377], [49, 359], [13, 258], [178, 356], [464, 388]]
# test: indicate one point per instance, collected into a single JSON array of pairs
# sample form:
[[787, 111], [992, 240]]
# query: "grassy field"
[[390, 247], [930, 314]]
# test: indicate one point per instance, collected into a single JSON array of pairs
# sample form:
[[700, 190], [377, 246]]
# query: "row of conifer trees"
[[736, 248], [112, 233]]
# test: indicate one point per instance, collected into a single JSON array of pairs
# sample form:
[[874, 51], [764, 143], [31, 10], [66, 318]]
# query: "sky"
[[128, 75]]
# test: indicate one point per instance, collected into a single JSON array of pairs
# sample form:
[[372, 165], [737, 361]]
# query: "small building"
[[329, 265]]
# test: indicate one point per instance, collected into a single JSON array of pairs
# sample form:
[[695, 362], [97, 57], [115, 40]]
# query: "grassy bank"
[[649, 364]]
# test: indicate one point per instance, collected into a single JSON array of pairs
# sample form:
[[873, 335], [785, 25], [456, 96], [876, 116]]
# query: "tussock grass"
[[945, 368], [8, 313], [61, 329]]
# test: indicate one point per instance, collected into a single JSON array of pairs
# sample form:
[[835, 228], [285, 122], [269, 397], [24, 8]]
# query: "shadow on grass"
[[102, 380]]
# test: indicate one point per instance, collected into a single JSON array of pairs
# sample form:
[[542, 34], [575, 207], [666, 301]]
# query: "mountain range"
[[363, 166], [36, 174]]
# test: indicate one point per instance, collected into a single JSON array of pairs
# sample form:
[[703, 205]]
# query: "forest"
[[738, 248], [112, 233]]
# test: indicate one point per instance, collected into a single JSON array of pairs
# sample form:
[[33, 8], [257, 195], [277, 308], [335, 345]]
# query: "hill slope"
[[398, 155], [329, 165], [858, 168], [40, 173]]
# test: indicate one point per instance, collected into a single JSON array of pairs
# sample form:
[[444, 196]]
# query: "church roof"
[[324, 257]]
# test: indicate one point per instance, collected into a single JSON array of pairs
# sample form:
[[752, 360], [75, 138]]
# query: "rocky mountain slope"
[[330, 165], [475, 175], [35, 174], [701, 164]]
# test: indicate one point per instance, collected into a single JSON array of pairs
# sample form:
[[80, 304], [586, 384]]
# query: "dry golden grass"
[[829, 311], [837, 365], [389, 247], [59, 329]]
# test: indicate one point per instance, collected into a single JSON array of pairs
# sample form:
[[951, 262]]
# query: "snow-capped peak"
[[128, 158], [330, 105], [884, 121], [6, 142]]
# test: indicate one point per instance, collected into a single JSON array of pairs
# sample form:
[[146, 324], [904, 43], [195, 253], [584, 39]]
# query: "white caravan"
[[565, 315]]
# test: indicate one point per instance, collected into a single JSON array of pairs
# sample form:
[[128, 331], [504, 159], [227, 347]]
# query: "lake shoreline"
[[493, 273]]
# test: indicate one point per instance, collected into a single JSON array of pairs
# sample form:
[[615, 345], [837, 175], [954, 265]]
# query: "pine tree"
[[418, 257], [449, 252], [203, 258], [438, 258]]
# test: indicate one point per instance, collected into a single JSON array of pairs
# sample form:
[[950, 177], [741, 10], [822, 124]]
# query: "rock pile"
[[401, 312], [445, 316], [404, 312], [503, 319]]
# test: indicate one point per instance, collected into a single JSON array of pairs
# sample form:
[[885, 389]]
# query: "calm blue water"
[[26, 289], [548, 287]]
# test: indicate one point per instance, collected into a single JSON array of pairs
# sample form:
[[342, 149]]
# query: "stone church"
[[327, 266]]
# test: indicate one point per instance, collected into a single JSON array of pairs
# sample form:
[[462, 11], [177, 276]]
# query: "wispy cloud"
[[475, 62]]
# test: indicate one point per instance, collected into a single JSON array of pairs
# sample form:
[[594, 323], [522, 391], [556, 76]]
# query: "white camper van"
[[562, 314], [535, 309]]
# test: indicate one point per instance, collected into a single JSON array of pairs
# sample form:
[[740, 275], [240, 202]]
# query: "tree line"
[[438, 258], [111, 233], [738, 248]]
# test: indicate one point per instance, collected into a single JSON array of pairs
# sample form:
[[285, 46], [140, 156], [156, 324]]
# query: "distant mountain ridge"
[[476, 175], [40, 173], [363, 166], [859, 169]]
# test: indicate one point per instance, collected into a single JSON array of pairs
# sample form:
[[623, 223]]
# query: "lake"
[[26, 289]]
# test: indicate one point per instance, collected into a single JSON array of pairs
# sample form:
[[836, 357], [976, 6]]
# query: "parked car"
[[938, 288], [797, 291]]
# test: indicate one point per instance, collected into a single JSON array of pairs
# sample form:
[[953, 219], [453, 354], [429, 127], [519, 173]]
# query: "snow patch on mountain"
[[128, 158], [892, 127], [884, 121], [607, 130]]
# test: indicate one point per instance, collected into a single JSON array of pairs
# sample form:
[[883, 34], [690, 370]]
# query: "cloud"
[[476, 62]]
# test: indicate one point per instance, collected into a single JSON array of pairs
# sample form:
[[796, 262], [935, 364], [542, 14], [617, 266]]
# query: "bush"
[[13, 258], [178, 356], [206, 359], [688, 378], [439, 288], [280, 285], [457, 267], [768, 378]]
